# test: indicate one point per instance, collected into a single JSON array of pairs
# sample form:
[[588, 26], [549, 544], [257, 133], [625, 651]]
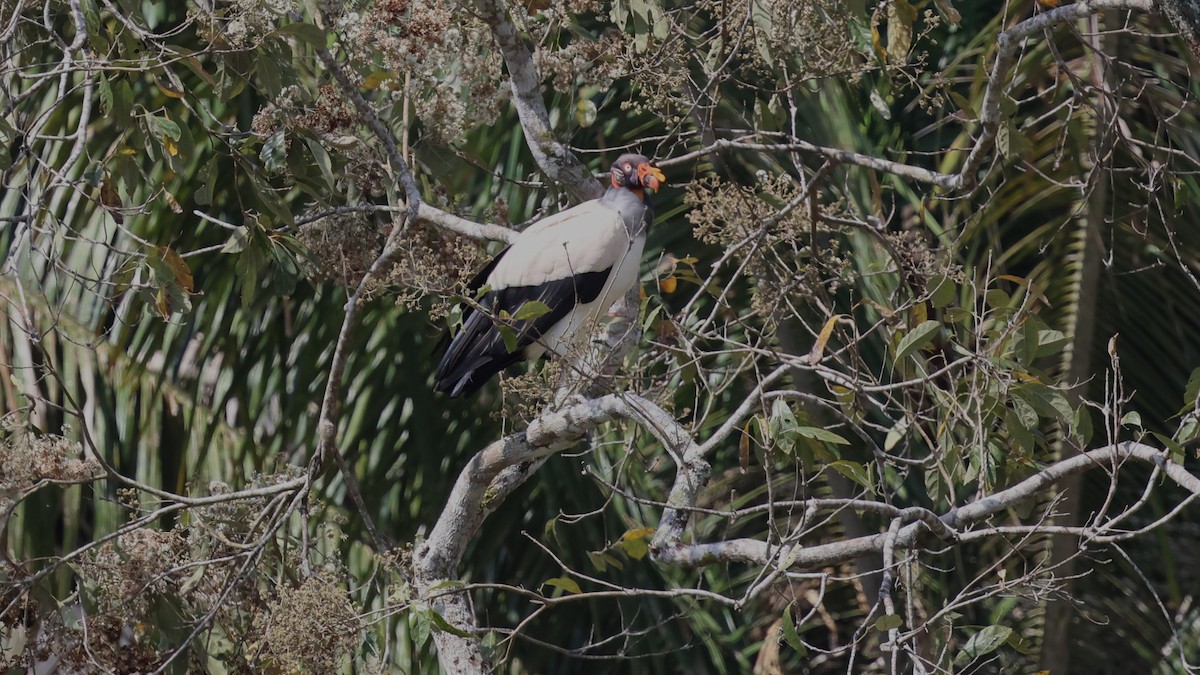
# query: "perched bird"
[[577, 263]]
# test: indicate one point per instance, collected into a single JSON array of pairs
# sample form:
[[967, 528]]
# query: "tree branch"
[[554, 158], [1008, 42], [761, 553]]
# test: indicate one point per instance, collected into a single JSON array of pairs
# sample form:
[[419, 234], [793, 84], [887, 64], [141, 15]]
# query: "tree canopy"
[[909, 383]]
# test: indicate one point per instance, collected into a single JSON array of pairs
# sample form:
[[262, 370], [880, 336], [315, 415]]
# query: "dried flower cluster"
[[311, 628], [593, 63], [771, 228], [130, 570], [27, 458], [240, 24], [436, 263], [332, 119], [813, 36], [92, 644], [527, 395], [343, 247], [443, 49]]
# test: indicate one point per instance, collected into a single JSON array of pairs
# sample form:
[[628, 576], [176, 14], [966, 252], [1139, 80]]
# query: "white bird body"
[[590, 237], [577, 262]]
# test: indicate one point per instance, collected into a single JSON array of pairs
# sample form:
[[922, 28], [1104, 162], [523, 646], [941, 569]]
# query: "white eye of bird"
[[628, 168]]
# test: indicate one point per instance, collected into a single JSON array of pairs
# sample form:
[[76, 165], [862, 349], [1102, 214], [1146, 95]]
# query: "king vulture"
[[577, 262]]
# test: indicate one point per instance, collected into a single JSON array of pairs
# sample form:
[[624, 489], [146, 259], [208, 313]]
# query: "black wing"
[[477, 352]]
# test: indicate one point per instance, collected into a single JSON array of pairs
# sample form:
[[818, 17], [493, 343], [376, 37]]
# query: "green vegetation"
[[911, 384]]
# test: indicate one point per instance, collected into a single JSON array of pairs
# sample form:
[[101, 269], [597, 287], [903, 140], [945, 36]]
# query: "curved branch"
[[491, 475], [554, 158], [761, 553]]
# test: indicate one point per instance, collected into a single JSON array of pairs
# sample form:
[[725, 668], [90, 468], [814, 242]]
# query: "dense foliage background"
[[913, 255]]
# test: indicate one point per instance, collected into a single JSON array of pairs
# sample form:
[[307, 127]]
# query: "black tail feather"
[[467, 381]]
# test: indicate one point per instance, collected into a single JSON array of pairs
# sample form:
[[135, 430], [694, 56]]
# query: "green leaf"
[[856, 472], [237, 243], [641, 33], [509, 336], [1191, 392], [1174, 450], [122, 102], [445, 626], [1047, 402], [964, 105], [986, 641], [1187, 429], [1081, 428], [273, 152], [305, 31], [888, 622], [764, 23], [942, 291], [619, 13], [917, 338], [420, 626], [659, 26], [531, 310], [894, 435], [1050, 342], [269, 77], [1026, 415], [94, 174], [597, 558], [104, 89], [164, 127], [790, 635], [819, 435], [996, 298], [1132, 419], [249, 267], [567, 584], [781, 424], [1018, 431], [935, 486], [203, 195], [636, 549]]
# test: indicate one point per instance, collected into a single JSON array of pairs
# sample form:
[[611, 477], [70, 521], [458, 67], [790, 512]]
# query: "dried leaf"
[[952, 15], [818, 349], [900, 16], [179, 267], [744, 446]]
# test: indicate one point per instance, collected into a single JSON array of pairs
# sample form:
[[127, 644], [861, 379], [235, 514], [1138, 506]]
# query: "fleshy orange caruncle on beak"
[[651, 177]]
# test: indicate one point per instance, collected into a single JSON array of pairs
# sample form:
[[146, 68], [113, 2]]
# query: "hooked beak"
[[651, 177]]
